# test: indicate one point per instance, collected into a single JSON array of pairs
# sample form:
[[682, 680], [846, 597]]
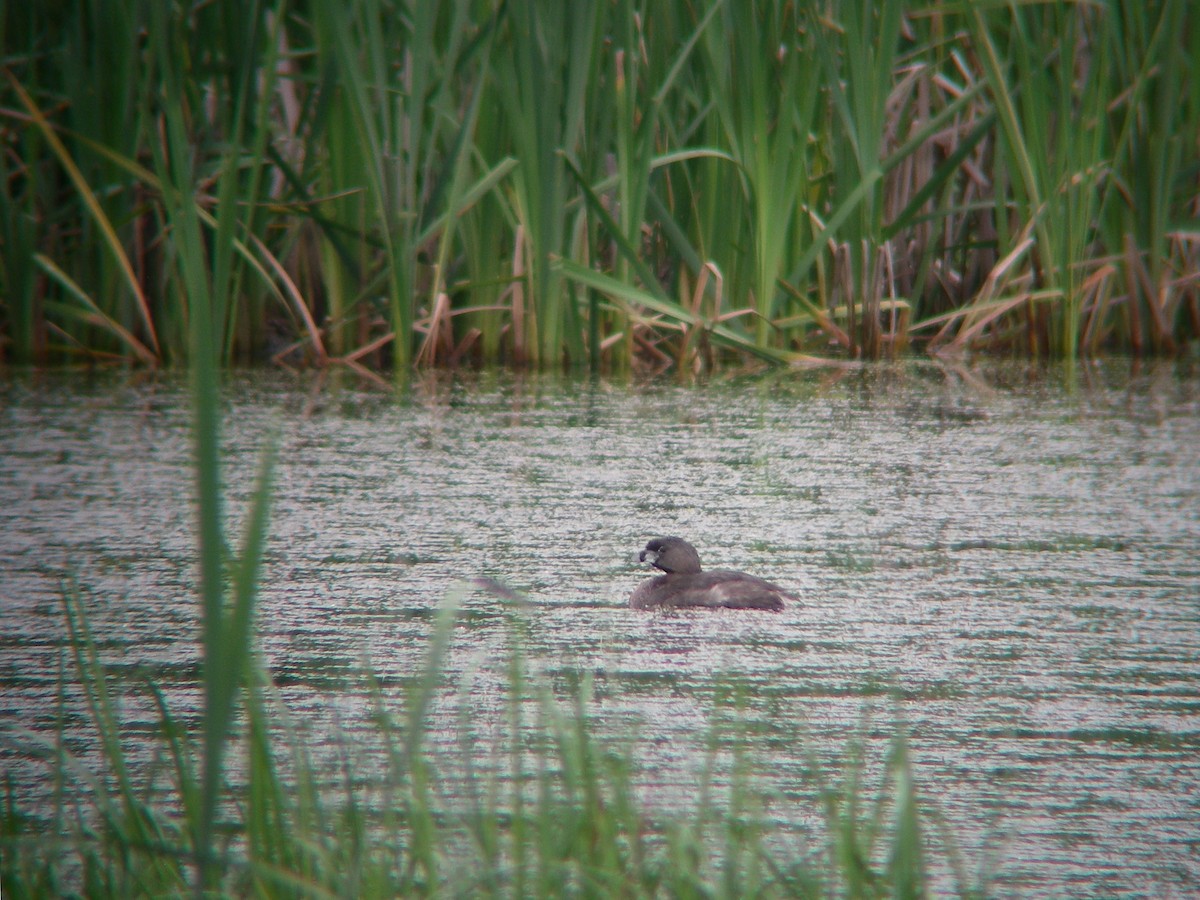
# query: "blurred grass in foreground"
[[558, 811]]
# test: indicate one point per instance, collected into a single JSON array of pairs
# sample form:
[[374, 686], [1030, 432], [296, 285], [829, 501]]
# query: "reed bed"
[[381, 184]]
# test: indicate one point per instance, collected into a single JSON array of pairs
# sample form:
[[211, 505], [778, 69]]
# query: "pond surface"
[[1005, 558]]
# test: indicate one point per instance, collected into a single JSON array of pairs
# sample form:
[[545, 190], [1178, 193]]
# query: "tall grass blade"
[[151, 861], [906, 860], [88, 199], [226, 628], [177, 175], [97, 315]]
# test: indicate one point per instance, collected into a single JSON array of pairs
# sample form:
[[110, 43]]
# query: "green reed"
[[1055, 157], [1144, 221], [417, 183], [550, 806], [227, 587]]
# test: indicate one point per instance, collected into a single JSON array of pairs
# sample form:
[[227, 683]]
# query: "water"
[[1005, 558]]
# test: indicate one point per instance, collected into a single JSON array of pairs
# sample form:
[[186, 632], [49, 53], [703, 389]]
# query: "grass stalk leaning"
[[226, 612]]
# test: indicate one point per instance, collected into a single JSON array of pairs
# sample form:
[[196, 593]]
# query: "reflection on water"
[[1006, 558]]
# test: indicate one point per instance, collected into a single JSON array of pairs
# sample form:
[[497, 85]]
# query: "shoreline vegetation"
[[549, 806], [383, 185]]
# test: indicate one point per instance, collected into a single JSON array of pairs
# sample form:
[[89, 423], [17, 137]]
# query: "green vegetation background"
[[610, 183]]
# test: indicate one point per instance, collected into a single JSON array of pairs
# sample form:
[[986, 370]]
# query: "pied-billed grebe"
[[684, 584]]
